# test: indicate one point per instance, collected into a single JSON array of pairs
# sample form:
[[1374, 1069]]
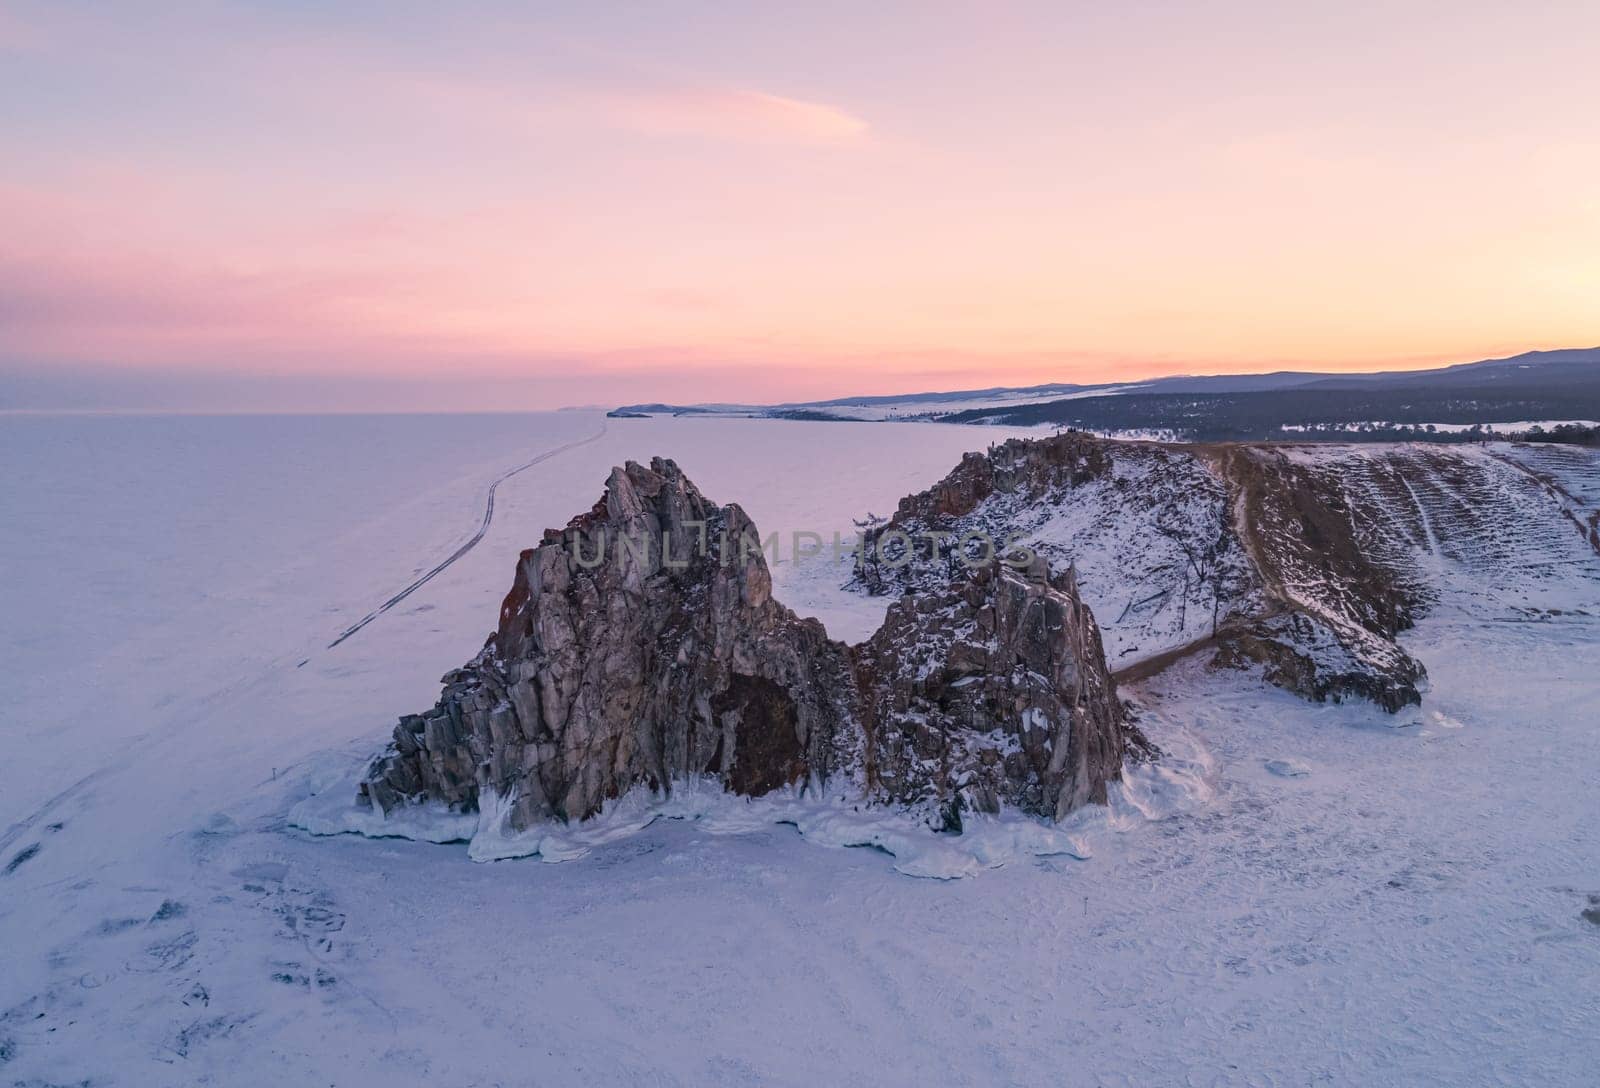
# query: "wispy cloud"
[[738, 114], [728, 114], [340, 70]]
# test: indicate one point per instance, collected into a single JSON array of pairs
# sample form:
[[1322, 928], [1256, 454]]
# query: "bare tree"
[[1205, 561], [869, 567]]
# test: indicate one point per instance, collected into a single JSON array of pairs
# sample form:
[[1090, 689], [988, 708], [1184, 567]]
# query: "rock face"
[[993, 691], [641, 646], [1340, 603], [1326, 662]]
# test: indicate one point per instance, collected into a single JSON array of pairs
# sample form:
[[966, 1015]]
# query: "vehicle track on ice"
[[140, 743], [488, 517]]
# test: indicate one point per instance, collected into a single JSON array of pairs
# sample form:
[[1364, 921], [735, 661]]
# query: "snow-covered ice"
[[1411, 912], [987, 841]]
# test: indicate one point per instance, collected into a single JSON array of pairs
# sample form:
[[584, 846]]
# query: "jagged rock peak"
[[638, 645]]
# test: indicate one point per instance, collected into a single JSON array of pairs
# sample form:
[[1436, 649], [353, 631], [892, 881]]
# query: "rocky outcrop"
[[1148, 529], [641, 646], [1311, 546], [1031, 468], [992, 691], [1181, 549], [1326, 662], [1338, 603]]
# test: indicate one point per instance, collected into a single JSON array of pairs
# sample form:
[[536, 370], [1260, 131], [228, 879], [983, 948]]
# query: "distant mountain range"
[[1537, 388]]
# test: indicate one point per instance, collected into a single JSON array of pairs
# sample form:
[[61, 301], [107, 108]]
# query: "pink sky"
[[525, 206]]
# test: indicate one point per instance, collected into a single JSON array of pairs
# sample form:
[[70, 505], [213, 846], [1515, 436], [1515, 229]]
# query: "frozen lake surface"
[[1362, 900]]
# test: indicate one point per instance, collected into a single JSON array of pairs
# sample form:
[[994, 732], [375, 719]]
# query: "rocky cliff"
[[641, 646], [1180, 549], [1305, 561]]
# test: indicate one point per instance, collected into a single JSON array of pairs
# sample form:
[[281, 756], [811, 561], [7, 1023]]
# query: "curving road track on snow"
[[140, 743], [488, 516]]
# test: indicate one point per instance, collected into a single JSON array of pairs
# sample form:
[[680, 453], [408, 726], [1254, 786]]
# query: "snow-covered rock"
[[1179, 550], [992, 691]]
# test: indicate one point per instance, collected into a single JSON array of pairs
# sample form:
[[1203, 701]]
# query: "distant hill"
[[1542, 388]]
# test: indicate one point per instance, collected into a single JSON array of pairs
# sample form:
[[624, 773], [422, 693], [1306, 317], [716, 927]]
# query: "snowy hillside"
[[1148, 529], [1468, 529], [1177, 548]]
